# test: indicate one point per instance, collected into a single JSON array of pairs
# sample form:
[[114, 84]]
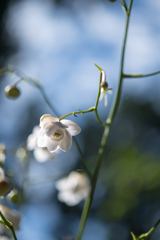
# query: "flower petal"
[[42, 139], [73, 128], [105, 99], [49, 129], [47, 118], [66, 142], [52, 146], [69, 198]]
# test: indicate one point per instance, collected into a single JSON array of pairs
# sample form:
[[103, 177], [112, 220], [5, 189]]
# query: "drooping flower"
[[73, 189], [12, 216], [55, 134], [40, 154], [104, 88]]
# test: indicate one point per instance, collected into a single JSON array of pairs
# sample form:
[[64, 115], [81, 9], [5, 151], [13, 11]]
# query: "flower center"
[[57, 136]]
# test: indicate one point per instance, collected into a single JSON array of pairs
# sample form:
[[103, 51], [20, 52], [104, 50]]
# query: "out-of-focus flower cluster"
[[73, 188], [11, 195], [40, 154]]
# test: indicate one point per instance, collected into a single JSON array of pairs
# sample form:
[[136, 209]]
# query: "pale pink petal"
[[73, 127]]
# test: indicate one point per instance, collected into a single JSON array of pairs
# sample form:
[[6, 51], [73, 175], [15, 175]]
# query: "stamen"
[[56, 135]]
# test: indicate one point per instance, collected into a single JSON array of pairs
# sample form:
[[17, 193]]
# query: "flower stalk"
[[8, 225], [109, 121]]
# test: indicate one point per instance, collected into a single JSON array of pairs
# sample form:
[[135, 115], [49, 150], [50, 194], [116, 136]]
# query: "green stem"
[[116, 100], [35, 83], [9, 225], [140, 75], [79, 112], [98, 95], [83, 160], [88, 201], [109, 120], [47, 101], [145, 235]]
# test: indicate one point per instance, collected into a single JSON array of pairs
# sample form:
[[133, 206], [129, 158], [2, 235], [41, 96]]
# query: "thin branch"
[[140, 75], [8, 224]]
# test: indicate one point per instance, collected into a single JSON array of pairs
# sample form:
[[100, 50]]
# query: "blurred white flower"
[[32, 138], [73, 189], [4, 238], [2, 153], [12, 216], [40, 154], [55, 134], [104, 88]]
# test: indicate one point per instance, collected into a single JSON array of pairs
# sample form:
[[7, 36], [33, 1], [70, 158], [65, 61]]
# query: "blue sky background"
[[59, 47]]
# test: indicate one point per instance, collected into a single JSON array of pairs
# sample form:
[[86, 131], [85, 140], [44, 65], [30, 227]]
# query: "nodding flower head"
[[74, 188], [55, 134]]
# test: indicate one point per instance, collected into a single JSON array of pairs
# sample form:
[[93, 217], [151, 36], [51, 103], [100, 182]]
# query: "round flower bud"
[[104, 85], [13, 196], [12, 91], [4, 186]]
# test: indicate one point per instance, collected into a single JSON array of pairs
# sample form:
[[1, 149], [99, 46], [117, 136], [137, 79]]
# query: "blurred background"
[[58, 42]]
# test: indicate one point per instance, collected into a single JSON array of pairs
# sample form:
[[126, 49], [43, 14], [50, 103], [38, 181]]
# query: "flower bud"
[[11, 91], [111, 0], [13, 196], [104, 85], [4, 186]]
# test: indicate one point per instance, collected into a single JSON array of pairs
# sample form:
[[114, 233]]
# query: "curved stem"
[[35, 83], [8, 224], [116, 101], [88, 201], [98, 95], [79, 112], [140, 75], [109, 120], [82, 157]]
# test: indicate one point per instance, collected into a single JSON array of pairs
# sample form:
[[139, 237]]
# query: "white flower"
[[4, 238], [40, 154], [32, 139], [11, 216], [104, 88], [55, 134], [73, 189]]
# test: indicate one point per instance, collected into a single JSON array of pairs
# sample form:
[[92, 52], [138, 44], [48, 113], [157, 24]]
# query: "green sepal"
[[100, 69]]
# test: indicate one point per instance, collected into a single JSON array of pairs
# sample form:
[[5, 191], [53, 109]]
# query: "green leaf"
[[133, 236]]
